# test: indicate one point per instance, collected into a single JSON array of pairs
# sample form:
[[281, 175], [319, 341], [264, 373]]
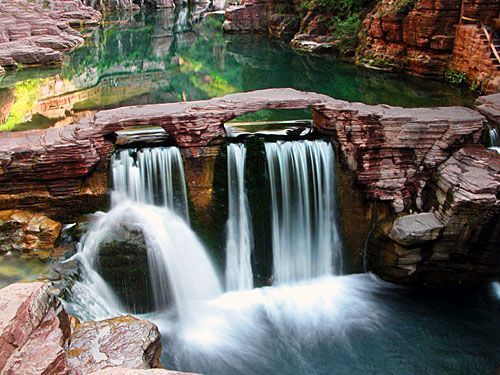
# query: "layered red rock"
[[489, 106], [125, 342], [464, 194], [473, 56], [34, 329], [392, 150], [27, 231], [36, 33], [417, 38]]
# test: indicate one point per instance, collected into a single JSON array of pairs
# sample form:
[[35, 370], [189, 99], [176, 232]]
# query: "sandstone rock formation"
[[489, 106], [36, 33], [27, 232], [418, 37], [38, 337], [34, 330], [119, 342], [459, 238], [473, 56], [391, 149]]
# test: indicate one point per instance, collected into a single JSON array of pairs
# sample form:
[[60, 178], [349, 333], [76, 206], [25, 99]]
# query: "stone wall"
[[473, 56]]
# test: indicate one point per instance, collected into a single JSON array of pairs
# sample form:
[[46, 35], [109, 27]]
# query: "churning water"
[[310, 321]]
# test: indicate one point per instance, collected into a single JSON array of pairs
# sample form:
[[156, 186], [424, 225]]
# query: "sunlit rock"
[[27, 231], [34, 329], [119, 342], [35, 33]]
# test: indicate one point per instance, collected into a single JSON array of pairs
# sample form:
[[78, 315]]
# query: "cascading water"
[[304, 230], [239, 229], [179, 268], [151, 175], [494, 138]]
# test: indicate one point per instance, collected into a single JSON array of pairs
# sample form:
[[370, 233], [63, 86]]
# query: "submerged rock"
[[27, 232], [119, 342]]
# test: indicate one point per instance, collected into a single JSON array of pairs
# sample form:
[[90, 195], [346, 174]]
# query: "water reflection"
[[168, 56]]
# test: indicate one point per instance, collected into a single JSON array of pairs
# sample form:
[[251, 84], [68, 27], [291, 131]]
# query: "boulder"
[[415, 229], [489, 106], [119, 342], [36, 32], [27, 232], [34, 330], [2, 71], [123, 371]]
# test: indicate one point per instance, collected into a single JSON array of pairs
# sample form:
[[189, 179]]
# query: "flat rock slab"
[[489, 106], [35, 32], [416, 229], [119, 342]]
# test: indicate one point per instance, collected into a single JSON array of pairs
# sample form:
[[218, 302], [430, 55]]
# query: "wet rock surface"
[[36, 33], [26, 231], [119, 342]]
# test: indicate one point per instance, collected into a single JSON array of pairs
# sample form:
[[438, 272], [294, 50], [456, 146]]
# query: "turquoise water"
[[166, 57]]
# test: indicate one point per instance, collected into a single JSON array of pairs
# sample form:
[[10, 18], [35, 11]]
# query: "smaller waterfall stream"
[[494, 138], [151, 175], [239, 228], [305, 236]]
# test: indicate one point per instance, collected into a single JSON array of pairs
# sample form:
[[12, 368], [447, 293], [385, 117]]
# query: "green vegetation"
[[26, 94], [345, 19], [460, 79]]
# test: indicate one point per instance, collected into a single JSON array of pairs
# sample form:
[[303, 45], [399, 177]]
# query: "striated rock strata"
[[457, 240], [38, 337], [34, 331], [36, 33], [392, 150], [417, 36]]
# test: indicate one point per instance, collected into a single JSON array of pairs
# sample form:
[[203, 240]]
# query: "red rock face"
[[474, 57], [417, 39], [34, 329], [392, 150], [35, 33]]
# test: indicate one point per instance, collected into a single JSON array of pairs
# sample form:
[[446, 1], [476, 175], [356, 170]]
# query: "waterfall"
[[305, 238], [179, 268], [239, 229], [152, 176], [494, 138]]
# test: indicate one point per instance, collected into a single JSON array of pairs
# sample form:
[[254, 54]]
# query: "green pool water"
[[165, 56]]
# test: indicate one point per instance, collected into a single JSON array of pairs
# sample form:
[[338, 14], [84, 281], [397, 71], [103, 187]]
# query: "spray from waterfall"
[[239, 228], [494, 138], [305, 237]]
